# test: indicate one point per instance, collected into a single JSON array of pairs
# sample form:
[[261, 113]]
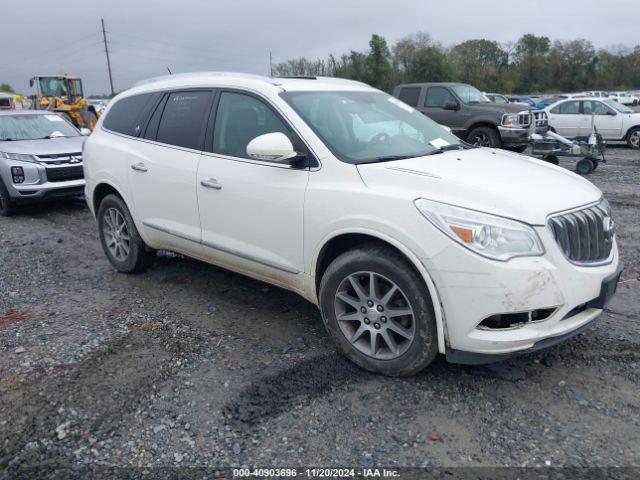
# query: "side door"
[[566, 118], [608, 122], [435, 101], [163, 178], [251, 211]]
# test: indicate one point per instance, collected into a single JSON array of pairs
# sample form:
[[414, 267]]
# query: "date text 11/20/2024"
[[315, 472]]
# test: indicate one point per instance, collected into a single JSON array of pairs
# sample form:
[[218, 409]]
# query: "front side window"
[[438, 97], [410, 95], [53, 87], [366, 127], [599, 108], [468, 94], [183, 119], [567, 108], [239, 119], [33, 127]]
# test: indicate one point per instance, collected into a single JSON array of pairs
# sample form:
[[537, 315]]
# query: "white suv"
[[409, 241]]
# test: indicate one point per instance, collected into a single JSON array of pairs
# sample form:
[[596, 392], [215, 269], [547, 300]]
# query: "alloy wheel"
[[481, 140], [374, 315], [634, 139], [116, 234]]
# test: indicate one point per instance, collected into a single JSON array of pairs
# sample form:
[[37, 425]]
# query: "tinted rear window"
[[128, 114], [184, 118], [410, 95]]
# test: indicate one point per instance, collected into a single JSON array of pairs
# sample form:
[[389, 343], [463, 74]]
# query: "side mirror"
[[451, 106], [613, 114], [31, 82], [273, 147], [85, 132]]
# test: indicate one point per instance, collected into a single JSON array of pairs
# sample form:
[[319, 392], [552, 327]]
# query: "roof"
[[231, 79], [422, 84]]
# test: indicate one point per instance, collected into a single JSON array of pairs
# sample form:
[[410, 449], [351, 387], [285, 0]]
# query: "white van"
[[410, 242]]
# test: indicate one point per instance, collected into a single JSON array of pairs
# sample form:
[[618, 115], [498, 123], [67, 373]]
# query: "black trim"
[[473, 358]]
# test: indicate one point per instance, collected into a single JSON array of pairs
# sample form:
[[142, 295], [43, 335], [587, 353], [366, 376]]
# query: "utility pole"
[[106, 51], [270, 64]]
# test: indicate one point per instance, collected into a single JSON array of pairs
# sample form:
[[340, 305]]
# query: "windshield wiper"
[[49, 137], [446, 148], [390, 158], [6, 139]]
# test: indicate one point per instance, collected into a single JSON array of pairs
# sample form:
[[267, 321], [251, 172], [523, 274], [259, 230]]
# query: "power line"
[[106, 51]]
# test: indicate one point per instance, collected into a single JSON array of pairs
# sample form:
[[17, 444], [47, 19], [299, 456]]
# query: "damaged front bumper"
[[476, 290]]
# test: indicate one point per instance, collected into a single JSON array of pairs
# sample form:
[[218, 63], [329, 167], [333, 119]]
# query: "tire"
[[132, 256], [585, 166], [7, 206], [484, 137], [413, 335], [633, 138], [552, 159], [517, 149]]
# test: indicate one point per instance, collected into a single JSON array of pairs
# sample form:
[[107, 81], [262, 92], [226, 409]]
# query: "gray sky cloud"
[[148, 36]]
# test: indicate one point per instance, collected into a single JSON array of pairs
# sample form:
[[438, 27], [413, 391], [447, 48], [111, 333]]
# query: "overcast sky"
[[147, 36]]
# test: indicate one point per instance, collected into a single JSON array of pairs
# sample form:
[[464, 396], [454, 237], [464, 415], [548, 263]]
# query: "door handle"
[[211, 183], [139, 167]]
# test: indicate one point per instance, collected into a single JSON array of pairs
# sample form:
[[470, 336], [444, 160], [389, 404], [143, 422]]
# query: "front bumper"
[[473, 288], [514, 136], [39, 183], [47, 191]]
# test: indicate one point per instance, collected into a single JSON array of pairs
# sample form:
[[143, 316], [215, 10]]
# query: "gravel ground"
[[190, 365]]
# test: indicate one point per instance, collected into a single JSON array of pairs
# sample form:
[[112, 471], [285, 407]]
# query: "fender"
[[415, 261]]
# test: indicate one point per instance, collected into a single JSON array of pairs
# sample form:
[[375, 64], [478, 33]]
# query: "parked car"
[[624, 98], [470, 116], [546, 101], [496, 98], [409, 241], [522, 101], [40, 158], [598, 94], [572, 118], [99, 104]]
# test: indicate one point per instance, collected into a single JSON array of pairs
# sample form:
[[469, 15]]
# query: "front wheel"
[[484, 137], [585, 166], [120, 239], [378, 311], [7, 207], [633, 138]]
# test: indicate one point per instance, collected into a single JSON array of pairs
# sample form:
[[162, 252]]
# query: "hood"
[[44, 147], [501, 107], [492, 181]]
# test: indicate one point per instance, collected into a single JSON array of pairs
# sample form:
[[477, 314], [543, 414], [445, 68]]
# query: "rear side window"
[[567, 108], [410, 95], [128, 114], [184, 118], [438, 97], [239, 119]]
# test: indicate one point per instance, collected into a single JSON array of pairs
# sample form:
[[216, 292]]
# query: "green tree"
[[531, 60], [480, 63], [417, 59], [378, 73], [5, 87]]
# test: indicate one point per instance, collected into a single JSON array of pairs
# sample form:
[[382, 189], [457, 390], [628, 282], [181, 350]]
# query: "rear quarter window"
[[128, 114]]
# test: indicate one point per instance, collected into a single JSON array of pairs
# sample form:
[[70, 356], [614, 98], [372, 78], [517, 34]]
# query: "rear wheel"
[[585, 166], [633, 138], [7, 207], [378, 311], [484, 137], [120, 239], [552, 159]]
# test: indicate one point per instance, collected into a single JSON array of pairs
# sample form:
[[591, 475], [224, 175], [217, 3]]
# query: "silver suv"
[[40, 158]]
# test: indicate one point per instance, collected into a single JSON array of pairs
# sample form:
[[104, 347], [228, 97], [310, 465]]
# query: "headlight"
[[488, 235], [510, 120], [22, 157]]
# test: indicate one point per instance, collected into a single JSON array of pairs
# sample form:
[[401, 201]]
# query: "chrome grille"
[[585, 236]]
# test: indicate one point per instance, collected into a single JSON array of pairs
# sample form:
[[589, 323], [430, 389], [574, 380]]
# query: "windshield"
[[618, 106], [498, 99], [33, 127], [365, 127], [469, 94], [59, 87]]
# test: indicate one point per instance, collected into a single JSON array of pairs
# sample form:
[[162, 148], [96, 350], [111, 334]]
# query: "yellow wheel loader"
[[63, 94]]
